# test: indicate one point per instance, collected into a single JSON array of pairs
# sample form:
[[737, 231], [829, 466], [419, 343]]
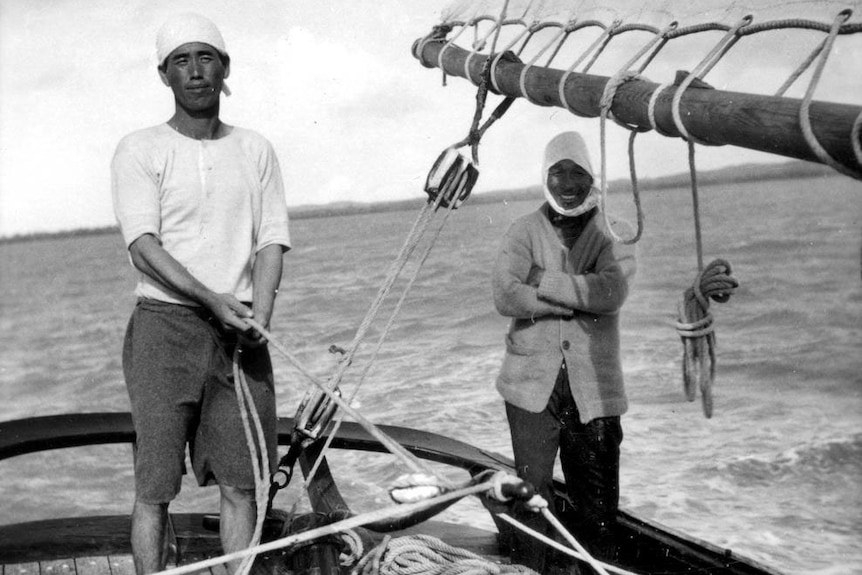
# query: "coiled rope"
[[695, 327], [426, 555]]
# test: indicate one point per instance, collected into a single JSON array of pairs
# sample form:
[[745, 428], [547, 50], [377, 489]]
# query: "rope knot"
[[695, 327]]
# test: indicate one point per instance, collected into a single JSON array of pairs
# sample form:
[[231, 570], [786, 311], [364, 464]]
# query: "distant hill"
[[741, 173], [794, 169]]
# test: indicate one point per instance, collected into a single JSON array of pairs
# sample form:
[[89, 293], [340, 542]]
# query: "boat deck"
[[101, 565], [100, 545]]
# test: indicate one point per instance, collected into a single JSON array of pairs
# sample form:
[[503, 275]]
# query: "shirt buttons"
[[566, 344]]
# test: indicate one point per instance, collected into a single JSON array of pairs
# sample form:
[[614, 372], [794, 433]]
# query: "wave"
[[816, 462]]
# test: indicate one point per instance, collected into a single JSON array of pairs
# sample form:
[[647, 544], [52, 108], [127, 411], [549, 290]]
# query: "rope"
[[594, 563], [488, 77], [804, 109], [562, 548], [444, 48], [606, 103], [410, 244], [801, 69], [260, 467], [414, 463], [522, 79], [695, 328], [561, 89], [426, 555], [385, 332], [711, 59]]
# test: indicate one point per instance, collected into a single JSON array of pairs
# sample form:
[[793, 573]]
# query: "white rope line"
[[651, 108], [499, 55], [805, 108], [568, 28], [801, 69], [695, 199], [624, 75], [384, 333], [479, 45], [561, 88], [496, 30], [416, 232], [467, 66], [523, 76], [393, 446], [700, 70], [605, 41], [260, 468], [444, 48], [558, 546], [498, 26], [606, 103], [594, 563]]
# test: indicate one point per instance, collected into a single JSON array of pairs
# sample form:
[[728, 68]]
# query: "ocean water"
[[775, 474]]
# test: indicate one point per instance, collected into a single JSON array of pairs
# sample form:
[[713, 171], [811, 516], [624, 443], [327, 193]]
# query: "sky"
[[331, 83]]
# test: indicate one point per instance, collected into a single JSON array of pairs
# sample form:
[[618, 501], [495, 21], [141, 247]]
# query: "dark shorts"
[[178, 365]]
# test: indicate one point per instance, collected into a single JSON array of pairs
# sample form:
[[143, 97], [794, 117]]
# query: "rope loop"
[[711, 59], [606, 104], [805, 108]]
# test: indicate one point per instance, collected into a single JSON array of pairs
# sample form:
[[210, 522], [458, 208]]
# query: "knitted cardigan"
[[572, 315]]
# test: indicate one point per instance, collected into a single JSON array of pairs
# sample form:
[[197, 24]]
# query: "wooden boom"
[[764, 123]]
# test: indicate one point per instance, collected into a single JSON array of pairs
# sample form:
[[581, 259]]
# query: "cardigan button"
[[566, 344]]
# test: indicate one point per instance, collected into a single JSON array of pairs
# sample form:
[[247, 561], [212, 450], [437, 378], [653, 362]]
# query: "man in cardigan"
[[562, 279]]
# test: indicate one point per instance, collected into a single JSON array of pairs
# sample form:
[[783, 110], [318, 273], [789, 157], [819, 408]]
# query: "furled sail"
[[788, 71]]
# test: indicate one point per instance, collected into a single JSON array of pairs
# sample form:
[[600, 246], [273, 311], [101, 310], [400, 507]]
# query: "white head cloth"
[[185, 28], [569, 146]]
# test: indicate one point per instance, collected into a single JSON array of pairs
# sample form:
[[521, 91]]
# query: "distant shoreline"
[[742, 173]]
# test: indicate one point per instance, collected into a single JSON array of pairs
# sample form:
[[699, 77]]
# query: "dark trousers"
[[589, 456]]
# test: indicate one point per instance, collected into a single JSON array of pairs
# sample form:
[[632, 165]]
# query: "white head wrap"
[[185, 28], [568, 146]]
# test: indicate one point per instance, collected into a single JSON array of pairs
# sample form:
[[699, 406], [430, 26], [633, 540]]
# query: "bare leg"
[[149, 528], [238, 516]]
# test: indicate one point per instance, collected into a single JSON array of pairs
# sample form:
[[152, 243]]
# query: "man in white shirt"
[[201, 208]]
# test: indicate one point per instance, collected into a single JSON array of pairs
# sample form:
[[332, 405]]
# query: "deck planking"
[[92, 565]]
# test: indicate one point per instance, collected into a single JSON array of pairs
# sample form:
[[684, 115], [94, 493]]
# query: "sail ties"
[[804, 109], [625, 74]]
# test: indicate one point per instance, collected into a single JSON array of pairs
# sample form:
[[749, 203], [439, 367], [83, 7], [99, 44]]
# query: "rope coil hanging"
[[695, 328]]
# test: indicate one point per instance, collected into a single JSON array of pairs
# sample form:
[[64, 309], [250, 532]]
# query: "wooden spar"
[[764, 123]]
